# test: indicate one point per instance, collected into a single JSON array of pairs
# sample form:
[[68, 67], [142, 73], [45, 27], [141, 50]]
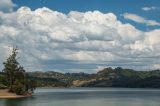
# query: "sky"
[[81, 35]]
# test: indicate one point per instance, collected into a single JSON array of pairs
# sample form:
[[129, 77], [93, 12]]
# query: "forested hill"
[[107, 77]]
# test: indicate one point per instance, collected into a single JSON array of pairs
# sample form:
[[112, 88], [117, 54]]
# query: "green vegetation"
[[120, 77], [2, 81], [107, 77], [14, 77]]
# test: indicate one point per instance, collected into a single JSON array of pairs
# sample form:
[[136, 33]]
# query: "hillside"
[[125, 78], [107, 77], [56, 79]]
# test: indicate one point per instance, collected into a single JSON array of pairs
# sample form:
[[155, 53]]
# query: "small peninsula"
[[4, 93], [14, 81]]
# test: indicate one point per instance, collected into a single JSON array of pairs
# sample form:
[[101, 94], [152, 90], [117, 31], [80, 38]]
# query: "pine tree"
[[16, 78], [11, 66]]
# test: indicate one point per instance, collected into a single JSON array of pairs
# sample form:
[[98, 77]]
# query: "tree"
[[11, 66], [16, 78], [118, 69]]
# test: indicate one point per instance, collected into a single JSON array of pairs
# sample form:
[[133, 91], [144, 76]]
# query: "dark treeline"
[[107, 77]]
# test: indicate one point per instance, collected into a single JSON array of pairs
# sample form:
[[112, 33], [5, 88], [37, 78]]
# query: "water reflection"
[[88, 97], [13, 102], [18, 102]]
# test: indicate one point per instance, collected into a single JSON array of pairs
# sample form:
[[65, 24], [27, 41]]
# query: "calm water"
[[88, 97]]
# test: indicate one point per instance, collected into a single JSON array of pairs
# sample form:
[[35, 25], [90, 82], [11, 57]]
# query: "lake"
[[88, 97]]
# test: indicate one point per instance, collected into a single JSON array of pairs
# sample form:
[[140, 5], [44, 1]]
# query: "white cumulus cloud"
[[6, 5], [139, 19], [50, 40]]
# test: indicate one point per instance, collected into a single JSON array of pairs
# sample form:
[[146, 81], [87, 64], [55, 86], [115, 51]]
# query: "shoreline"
[[4, 94]]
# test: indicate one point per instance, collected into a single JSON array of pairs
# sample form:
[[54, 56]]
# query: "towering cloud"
[[46, 37]]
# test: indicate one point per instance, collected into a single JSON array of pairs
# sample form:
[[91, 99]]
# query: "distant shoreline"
[[4, 94]]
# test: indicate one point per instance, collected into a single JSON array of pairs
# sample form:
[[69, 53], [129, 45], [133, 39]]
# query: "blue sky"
[[103, 5], [81, 35]]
